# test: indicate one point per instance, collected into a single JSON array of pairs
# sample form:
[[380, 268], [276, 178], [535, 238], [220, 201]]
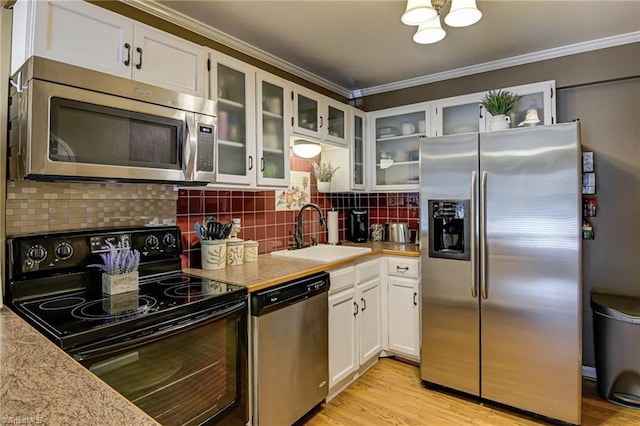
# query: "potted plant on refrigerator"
[[499, 104], [324, 173]]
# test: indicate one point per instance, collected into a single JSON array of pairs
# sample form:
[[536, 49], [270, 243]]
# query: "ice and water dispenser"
[[449, 227]]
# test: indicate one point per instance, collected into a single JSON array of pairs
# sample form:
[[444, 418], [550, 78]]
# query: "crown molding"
[[572, 49], [170, 15], [191, 24]]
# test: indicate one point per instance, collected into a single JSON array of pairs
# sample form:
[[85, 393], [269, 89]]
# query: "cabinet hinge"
[[208, 64]]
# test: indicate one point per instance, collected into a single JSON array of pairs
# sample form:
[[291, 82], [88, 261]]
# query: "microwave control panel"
[[206, 144]]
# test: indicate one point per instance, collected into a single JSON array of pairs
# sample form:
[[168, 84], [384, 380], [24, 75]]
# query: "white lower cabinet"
[[355, 325], [374, 309], [403, 306], [404, 316]]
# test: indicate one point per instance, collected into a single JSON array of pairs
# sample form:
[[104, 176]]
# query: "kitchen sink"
[[323, 253]]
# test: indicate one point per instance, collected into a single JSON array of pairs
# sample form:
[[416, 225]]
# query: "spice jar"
[[251, 251], [377, 232], [235, 251]]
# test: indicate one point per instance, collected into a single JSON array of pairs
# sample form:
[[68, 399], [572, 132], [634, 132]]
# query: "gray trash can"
[[616, 329]]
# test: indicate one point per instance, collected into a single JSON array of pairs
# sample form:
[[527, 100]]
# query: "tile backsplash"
[[274, 229], [43, 207]]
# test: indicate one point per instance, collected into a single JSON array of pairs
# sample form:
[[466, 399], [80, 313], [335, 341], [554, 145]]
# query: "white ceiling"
[[360, 47]]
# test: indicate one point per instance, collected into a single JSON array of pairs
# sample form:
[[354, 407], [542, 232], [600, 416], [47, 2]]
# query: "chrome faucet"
[[297, 235]]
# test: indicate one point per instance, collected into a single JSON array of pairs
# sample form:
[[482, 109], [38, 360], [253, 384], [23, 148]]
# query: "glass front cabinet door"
[[233, 87], [536, 107], [319, 117], [460, 114], [395, 160], [357, 151], [273, 96]]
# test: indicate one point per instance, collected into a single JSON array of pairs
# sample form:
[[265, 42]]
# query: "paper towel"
[[332, 227]]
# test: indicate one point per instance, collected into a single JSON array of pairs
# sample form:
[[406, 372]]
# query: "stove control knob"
[[151, 242], [36, 253], [169, 240], [64, 251]]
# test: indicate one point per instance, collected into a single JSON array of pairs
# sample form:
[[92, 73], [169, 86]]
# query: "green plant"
[[119, 260], [500, 102], [323, 171]]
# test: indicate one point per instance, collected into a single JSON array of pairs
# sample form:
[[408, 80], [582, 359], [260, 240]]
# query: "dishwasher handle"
[[292, 292]]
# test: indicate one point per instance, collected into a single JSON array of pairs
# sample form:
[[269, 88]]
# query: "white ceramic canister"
[[251, 251], [214, 254], [235, 251]]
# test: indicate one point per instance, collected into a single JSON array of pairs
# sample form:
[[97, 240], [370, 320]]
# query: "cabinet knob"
[[355, 305], [364, 304], [415, 302]]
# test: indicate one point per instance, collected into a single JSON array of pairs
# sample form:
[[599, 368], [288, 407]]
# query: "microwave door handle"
[[189, 148]]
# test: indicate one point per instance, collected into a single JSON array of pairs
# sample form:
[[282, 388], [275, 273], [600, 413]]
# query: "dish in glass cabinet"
[[386, 132]]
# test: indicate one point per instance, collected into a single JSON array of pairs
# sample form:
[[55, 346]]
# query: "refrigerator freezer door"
[[531, 317], [450, 308]]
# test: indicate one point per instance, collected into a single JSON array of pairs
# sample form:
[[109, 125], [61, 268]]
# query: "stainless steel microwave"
[[71, 123]]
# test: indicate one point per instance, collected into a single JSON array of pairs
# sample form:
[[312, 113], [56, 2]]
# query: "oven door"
[[190, 371], [80, 133]]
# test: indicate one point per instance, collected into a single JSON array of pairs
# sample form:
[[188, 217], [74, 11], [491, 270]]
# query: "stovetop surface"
[[160, 296]]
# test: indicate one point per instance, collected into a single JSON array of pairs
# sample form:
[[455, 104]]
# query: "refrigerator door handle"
[[472, 224], [483, 234]]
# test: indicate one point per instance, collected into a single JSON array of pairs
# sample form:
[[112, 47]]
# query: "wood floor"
[[391, 394]]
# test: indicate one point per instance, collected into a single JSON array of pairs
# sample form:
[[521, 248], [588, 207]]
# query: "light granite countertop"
[[271, 270], [41, 384]]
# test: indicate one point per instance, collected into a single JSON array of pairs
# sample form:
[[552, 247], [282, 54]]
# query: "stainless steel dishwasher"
[[290, 349]]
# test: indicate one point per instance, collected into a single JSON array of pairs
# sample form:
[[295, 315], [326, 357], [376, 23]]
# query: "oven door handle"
[[162, 333]]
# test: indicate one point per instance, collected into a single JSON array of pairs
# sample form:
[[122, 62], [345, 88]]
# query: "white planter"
[[500, 122], [121, 283], [214, 254], [324, 186]]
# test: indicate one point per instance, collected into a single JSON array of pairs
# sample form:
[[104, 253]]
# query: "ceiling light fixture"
[[306, 149], [426, 15]]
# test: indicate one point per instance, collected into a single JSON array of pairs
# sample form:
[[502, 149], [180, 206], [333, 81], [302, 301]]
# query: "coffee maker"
[[357, 226]]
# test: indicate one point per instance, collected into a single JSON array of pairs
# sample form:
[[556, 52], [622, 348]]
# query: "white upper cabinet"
[[537, 96], [460, 114], [167, 61], [319, 117], [233, 87], [273, 129], [80, 33], [463, 114], [394, 163]]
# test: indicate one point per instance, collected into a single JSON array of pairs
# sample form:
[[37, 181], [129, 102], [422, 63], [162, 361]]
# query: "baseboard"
[[588, 372]]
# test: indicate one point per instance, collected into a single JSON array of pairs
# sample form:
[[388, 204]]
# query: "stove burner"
[[190, 291], [62, 303], [182, 279], [182, 291], [116, 306]]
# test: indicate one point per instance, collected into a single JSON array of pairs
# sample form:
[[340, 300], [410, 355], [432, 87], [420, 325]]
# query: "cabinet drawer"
[[403, 267], [368, 270], [342, 278]]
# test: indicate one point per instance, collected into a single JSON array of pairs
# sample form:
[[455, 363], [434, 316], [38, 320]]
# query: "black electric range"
[[53, 285]]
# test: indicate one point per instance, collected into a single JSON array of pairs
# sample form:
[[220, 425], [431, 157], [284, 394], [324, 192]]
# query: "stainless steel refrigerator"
[[501, 267]]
